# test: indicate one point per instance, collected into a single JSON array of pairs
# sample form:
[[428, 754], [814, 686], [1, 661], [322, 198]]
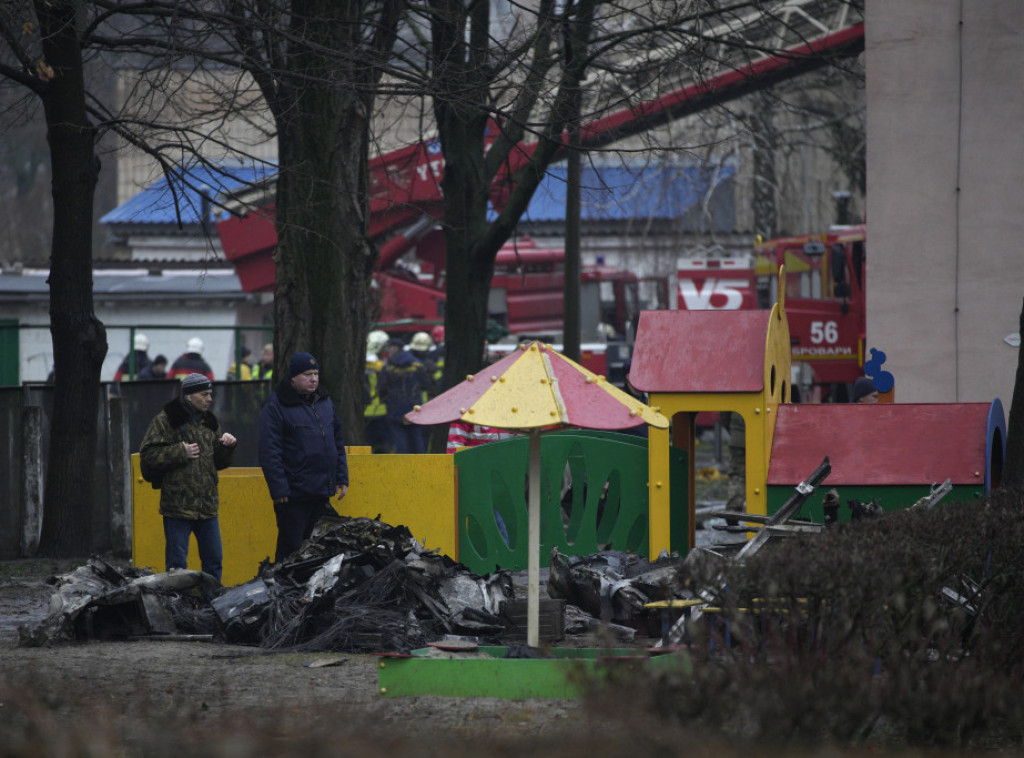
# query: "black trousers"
[[295, 522]]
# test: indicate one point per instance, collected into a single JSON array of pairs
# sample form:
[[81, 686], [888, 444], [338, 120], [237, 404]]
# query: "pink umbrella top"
[[536, 387]]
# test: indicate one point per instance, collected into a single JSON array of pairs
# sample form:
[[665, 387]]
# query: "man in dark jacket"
[[302, 453], [155, 371], [184, 442], [403, 384]]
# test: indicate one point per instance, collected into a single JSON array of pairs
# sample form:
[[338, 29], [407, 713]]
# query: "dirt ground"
[[134, 697], [153, 699], [141, 692]]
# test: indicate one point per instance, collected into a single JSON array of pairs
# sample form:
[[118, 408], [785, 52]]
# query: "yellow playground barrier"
[[416, 491]]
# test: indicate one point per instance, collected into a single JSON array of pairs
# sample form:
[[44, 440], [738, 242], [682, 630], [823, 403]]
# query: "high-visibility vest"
[[245, 374], [376, 407]]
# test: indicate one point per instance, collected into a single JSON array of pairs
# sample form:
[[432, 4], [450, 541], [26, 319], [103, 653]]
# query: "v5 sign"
[[712, 294], [715, 285]]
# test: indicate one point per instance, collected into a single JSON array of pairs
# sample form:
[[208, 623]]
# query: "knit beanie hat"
[[195, 383], [300, 363], [863, 386]]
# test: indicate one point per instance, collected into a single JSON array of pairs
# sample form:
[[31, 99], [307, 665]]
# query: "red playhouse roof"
[[724, 351], [884, 444]]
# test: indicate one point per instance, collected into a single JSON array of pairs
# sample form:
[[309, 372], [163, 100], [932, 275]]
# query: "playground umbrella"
[[536, 388]]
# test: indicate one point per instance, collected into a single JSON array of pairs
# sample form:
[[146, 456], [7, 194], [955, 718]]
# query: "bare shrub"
[[907, 628]]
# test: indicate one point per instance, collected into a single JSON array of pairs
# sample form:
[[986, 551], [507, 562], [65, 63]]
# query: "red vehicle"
[[527, 291], [824, 295], [406, 206]]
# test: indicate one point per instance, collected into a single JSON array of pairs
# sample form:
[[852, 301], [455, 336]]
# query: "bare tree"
[[318, 65], [315, 66], [44, 55], [614, 55], [501, 92], [465, 78], [315, 62]]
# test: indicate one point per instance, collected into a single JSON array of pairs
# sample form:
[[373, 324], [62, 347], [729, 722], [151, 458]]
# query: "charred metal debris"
[[361, 585], [357, 585]]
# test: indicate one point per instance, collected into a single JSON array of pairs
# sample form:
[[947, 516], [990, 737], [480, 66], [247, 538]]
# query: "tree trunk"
[[1013, 466], [462, 123], [469, 267], [461, 106], [324, 258], [765, 140], [79, 338]]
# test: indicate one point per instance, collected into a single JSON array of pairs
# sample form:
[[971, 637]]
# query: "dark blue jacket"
[[403, 383], [302, 452]]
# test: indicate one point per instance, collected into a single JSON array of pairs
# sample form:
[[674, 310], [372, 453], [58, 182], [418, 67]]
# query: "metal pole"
[[533, 545], [571, 318], [31, 479], [131, 353], [120, 482]]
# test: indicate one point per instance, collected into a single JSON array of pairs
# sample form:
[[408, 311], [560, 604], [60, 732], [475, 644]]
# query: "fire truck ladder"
[[752, 49]]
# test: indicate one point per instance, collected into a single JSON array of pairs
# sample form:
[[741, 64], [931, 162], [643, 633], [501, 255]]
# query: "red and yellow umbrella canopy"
[[536, 387]]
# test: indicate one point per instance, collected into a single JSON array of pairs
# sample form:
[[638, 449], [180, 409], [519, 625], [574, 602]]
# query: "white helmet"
[[375, 341], [195, 345], [421, 341], [141, 341]]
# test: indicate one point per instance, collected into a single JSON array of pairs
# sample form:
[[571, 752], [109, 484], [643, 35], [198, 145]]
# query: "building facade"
[[945, 167]]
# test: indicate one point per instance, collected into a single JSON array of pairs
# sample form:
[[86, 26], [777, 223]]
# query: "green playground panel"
[[609, 499], [568, 675], [890, 497]]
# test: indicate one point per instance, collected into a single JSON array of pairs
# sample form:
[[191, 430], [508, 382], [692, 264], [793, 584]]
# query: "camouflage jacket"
[[189, 489]]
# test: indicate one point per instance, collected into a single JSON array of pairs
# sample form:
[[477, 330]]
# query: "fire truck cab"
[[825, 301]]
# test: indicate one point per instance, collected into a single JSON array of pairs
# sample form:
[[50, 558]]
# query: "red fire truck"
[[824, 295], [406, 208], [527, 290]]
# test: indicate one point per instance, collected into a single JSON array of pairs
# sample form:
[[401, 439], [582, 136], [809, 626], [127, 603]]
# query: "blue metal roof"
[[163, 201], [608, 193], [624, 192]]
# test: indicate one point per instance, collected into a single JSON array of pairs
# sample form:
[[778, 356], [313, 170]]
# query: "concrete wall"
[[945, 171]]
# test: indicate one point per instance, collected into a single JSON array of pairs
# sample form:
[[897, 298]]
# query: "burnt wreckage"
[[361, 585], [357, 585]]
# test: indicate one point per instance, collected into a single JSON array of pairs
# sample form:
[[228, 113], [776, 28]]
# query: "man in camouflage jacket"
[[185, 444]]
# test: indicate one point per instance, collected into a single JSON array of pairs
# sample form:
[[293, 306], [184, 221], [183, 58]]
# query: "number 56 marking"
[[824, 331]]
